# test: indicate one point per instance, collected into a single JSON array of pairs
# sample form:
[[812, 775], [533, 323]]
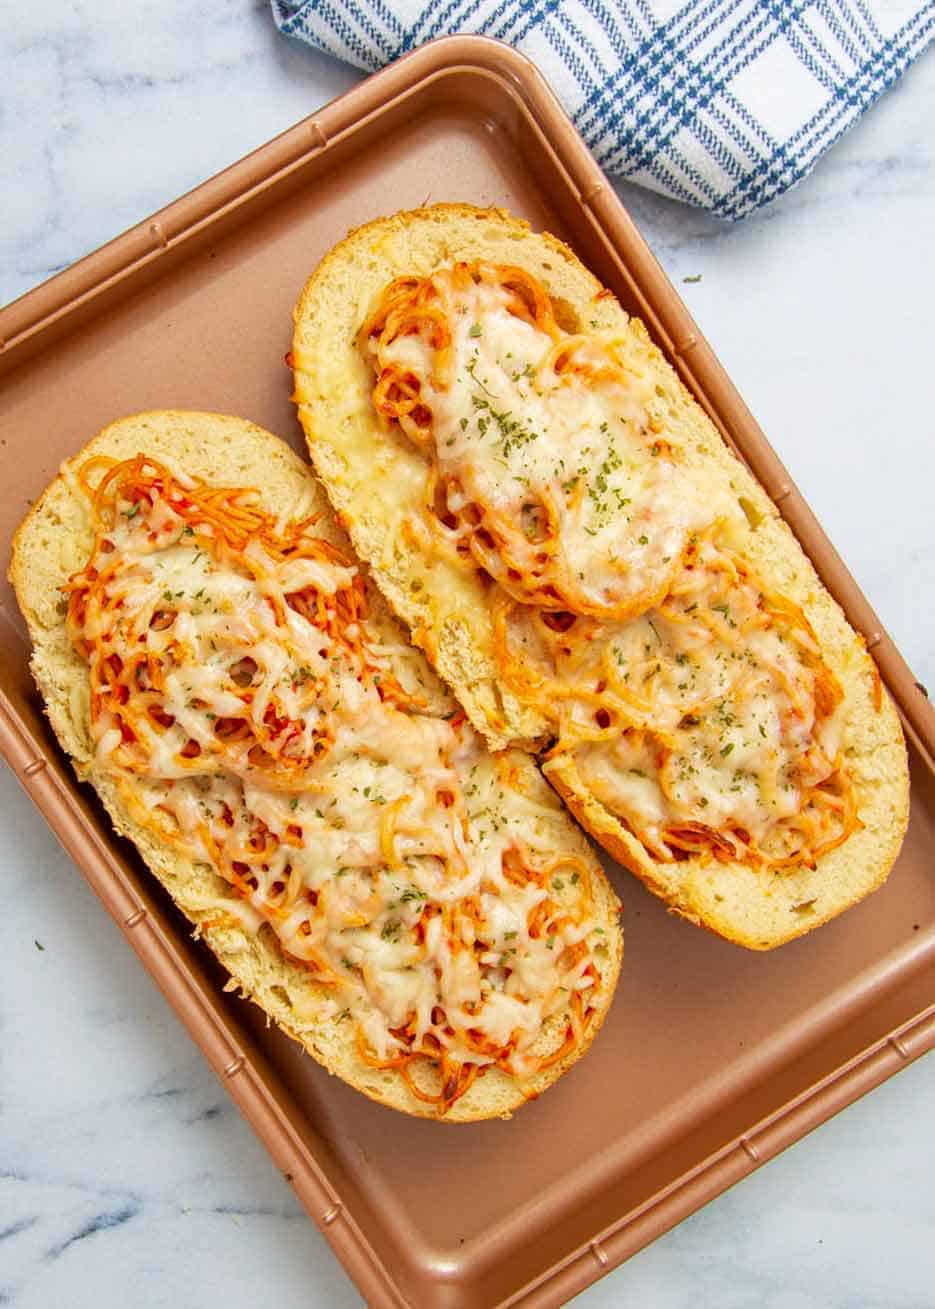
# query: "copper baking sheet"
[[713, 1058]]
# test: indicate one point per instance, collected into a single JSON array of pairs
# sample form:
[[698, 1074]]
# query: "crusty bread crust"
[[55, 541], [448, 612]]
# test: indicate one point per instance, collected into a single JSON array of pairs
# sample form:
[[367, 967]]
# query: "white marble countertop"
[[126, 1175]]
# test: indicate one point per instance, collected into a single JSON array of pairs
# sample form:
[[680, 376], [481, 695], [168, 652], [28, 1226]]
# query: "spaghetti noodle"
[[695, 702], [256, 720]]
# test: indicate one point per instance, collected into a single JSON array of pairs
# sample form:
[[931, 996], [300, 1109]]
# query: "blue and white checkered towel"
[[721, 103]]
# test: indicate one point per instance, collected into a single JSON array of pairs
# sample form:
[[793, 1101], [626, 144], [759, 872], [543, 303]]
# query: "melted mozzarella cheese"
[[372, 838], [513, 434], [693, 709], [701, 710]]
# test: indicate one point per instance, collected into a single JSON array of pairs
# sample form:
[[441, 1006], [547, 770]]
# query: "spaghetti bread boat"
[[594, 573], [419, 913]]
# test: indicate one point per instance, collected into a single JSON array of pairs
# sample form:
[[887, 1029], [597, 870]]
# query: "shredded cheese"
[[257, 721], [695, 703]]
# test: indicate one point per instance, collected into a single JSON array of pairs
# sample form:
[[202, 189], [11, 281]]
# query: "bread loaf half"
[[594, 573], [421, 915]]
